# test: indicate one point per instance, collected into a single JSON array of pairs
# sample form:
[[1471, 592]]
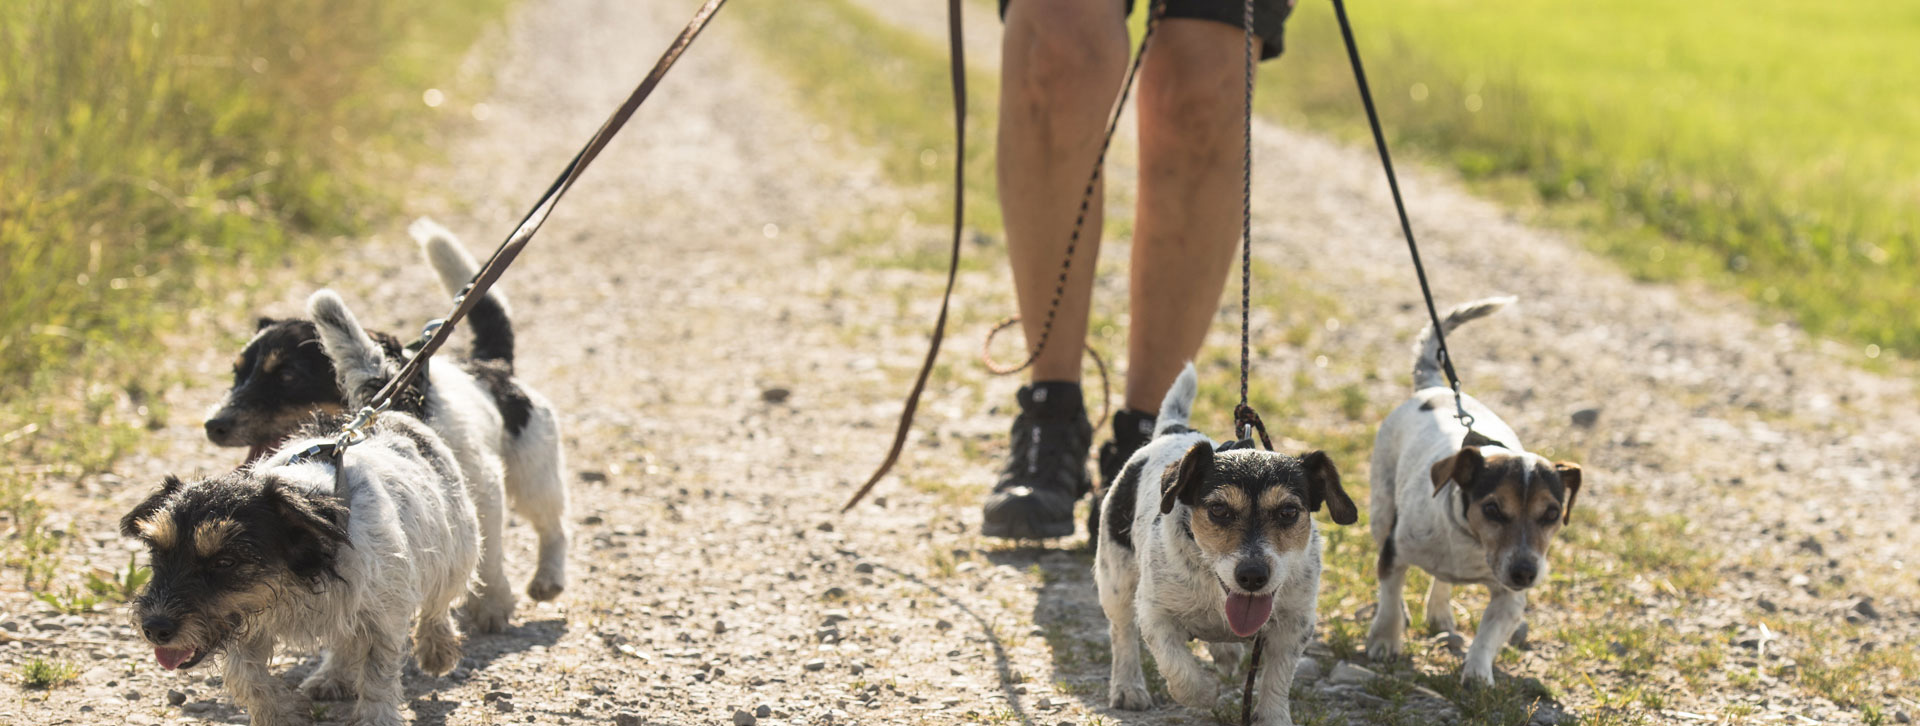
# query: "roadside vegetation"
[[1763, 148], [155, 158]]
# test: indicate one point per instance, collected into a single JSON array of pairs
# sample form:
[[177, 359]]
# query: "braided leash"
[[436, 332]]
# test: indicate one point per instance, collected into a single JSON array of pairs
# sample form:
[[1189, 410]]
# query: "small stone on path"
[[742, 718], [1345, 673]]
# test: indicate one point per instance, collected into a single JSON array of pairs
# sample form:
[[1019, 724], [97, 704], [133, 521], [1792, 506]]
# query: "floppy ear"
[[1186, 482], [263, 323], [1323, 486], [316, 526], [1460, 468], [1570, 476], [130, 524]]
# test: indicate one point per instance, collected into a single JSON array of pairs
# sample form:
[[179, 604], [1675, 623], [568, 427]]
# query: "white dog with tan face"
[[1218, 547], [1480, 511]]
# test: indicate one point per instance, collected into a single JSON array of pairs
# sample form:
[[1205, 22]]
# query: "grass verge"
[[1762, 148]]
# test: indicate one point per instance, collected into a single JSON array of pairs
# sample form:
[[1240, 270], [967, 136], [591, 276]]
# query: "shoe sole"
[[1025, 530]]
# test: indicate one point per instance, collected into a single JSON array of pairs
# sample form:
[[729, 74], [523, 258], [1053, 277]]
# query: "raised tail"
[[1177, 408], [359, 363], [1426, 362], [490, 320]]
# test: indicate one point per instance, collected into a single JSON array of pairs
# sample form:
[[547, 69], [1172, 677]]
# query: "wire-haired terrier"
[[290, 551]]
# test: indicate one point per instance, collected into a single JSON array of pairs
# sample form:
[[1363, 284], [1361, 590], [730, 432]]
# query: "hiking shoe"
[[1131, 430], [1047, 470]]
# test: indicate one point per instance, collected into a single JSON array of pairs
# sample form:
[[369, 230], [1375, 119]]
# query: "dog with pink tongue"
[[1221, 548]]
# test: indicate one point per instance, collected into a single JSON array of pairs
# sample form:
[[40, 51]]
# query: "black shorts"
[[1269, 17]]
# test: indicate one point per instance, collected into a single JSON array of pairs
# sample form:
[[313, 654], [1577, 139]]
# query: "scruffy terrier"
[[504, 434], [1223, 551], [1469, 509], [286, 552]]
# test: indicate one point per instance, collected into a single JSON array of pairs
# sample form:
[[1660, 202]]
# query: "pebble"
[[1306, 670], [1865, 609], [174, 698], [834, 593], [1345, 673], [864, 568], [1902, 717], [1586, 417], [1767, 605], [593, 477], [763, 711], [626, 718], [815, 665], [775, 395], [742, 718]]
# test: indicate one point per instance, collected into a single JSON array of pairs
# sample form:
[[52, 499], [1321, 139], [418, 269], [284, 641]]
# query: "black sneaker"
[[1047, 469], [1131, 430]]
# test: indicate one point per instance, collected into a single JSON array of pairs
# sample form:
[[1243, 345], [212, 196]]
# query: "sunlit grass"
[[147, 149], [1761, 146]]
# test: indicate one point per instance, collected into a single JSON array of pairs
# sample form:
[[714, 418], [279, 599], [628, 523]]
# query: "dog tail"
[[489, 319], [359, 363], [1426, 362], [1177, 408]]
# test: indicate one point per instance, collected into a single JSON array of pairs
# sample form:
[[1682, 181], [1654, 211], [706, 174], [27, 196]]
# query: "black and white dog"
[[1223, 550], [504, 434], [282, 552], [1480, 511]]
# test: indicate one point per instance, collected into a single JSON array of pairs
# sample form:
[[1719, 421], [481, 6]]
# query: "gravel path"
[[727, 370]]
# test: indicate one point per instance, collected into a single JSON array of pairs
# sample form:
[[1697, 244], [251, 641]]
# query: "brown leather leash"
[[957, 55], [438, 331]]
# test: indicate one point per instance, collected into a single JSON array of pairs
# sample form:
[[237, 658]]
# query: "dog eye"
[[1287, 514], [1550, 516], [1220, 512], [225, 563], [1492, 510]]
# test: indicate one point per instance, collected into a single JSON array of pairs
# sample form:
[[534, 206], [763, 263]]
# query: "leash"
[[1245, 419], [957, 56], [1406, 226], [436, 332]]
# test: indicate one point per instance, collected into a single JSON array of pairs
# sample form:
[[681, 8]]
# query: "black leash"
[[1246, 420], [957, 55], [1406, 226], [438, 331]]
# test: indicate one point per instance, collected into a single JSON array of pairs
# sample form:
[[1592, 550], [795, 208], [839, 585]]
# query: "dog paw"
[[1196, 690], [376, 714], [544, 588], [1383, 646], [328, 686], [486, 616], [1477, 674], [437, 653], [1129, 697]]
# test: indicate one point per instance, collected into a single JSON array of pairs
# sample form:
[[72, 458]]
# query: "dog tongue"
[[1246, 613], [171, 658]]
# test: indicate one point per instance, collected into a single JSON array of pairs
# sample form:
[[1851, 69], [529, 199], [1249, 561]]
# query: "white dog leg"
[[1440, 607], [1127, 681], [380, 691], [268, 700], [537, 490], [1389, 630], [1286, 641], [1188, 680], [1505, 611]]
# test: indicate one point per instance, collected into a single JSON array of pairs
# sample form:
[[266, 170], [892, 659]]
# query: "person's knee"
[[1195, 85], [1064, 54]]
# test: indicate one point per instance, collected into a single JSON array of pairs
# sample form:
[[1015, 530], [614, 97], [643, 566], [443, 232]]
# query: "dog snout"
[[1251, 575], [1523, 572], [159, 628], [219, 428]]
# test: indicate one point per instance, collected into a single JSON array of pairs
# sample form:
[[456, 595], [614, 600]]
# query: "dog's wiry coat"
[[505, 435], [1466, 514], [1215, 547], [277, 555]]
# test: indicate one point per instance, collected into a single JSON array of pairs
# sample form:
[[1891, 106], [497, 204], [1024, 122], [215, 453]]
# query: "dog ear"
[[263, 323], [1186, 482], [1461, 468], [316, 524], [1323, 486], [130, 524], [1569, 475]]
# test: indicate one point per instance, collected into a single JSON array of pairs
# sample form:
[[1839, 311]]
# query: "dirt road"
[[728, 366]]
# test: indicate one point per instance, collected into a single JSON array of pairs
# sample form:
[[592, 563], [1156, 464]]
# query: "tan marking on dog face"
[[1528, 516], [211, 536], [1286, 536], [271, 362], [240, 362], [1221, 534], [159, 531]]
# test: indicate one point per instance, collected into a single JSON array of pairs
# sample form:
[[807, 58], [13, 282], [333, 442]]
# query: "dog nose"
[[1522, 573], [1251, 575], [219, 428], [158, 629]]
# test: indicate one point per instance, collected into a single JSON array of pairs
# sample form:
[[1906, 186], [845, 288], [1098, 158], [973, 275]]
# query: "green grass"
[[42, 674], [148, 149], [1764, 147]]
